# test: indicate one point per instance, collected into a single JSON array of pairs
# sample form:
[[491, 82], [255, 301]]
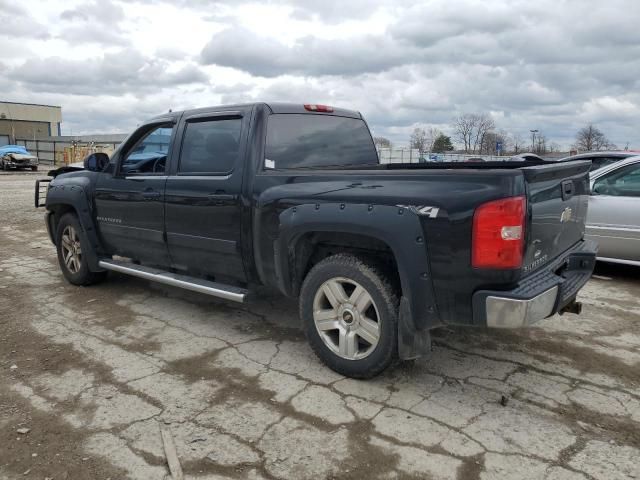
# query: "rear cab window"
[[297, 141]]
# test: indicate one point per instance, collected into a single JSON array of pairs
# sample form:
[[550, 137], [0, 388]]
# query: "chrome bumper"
[[539, 295], [513, 313]]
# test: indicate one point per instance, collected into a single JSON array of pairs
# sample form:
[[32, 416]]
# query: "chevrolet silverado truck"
[[221, 200]]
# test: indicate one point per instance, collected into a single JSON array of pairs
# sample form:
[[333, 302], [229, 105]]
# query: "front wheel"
[[350, 316], [72, 245]]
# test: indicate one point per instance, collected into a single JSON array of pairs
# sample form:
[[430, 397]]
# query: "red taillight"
[[312, 107], [498, 234]]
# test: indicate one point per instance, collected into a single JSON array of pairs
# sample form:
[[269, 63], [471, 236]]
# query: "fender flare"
[[75, 196], [399, 228]]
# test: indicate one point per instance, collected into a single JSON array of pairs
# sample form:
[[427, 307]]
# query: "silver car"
[[613, 219], [602, 159]]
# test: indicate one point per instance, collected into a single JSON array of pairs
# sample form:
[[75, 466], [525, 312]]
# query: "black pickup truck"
[[219, 200]]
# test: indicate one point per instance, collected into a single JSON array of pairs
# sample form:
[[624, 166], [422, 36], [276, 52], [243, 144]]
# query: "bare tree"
[[432, 134], [541, 144], [591, 138], [554, 147], [492, 139], [418, 140], [518, 143], [484, 124], [471, 129], [507, 140], [464, 127], [382, 142]]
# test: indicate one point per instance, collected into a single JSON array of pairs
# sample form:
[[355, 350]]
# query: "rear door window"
[[313, 141], [210, 147]]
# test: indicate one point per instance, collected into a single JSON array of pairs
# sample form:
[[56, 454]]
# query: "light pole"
[[533, 140]]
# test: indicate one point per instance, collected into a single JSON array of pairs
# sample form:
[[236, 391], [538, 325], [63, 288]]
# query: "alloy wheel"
[[71, 249], [346, 318]]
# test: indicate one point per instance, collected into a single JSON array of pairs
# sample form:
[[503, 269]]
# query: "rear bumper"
[[539, 295]]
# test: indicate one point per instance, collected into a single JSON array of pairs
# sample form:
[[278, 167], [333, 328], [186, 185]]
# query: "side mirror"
[[96, 162]]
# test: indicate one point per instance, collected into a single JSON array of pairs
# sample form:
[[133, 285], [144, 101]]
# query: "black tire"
[[34, 169], [345, 268], [78, 273]]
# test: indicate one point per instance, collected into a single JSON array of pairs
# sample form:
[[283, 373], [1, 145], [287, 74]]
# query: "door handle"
[[150, 194], [567, 189], [221, 197]]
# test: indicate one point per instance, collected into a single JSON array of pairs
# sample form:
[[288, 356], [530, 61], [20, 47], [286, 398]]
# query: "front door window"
[[149, 154]]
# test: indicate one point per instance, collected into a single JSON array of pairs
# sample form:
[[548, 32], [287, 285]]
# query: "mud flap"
[[412, 343]]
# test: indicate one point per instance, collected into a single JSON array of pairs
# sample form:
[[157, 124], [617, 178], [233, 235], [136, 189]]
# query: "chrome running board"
[[228, 292]]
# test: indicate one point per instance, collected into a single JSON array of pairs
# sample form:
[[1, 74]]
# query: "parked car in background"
[[613, 218], [601, 159], [16, 156], [524, 157], [430, 157]]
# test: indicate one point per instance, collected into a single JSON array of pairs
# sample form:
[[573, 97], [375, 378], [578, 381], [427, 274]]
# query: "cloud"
[[547, 64], [239, 48], [427, 24], [85, 33], [125, 71], [97, 21], [16, 22], [103, 12]]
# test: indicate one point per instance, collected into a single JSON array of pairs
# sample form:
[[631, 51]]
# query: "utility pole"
[[533, 140]]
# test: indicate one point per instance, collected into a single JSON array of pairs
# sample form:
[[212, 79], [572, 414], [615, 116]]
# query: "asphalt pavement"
[[90, 376]]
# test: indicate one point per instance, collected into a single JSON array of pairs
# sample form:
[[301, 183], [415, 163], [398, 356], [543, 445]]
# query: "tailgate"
[[558, 196]]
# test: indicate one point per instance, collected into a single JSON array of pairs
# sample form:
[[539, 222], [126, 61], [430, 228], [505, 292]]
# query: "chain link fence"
[[411, 155], [58, 153]]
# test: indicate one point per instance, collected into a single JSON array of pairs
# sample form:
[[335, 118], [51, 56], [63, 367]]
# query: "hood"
[[66, 169]]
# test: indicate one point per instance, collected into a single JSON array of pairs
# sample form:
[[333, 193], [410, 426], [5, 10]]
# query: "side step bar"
[[214, 289]]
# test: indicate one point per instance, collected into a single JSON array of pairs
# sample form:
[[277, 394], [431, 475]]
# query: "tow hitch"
[[572, 307]]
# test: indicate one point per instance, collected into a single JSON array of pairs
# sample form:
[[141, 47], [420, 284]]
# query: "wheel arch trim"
[[380, 222], [75, 198]]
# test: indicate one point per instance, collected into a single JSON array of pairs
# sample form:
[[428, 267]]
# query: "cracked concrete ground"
[[94, 372]]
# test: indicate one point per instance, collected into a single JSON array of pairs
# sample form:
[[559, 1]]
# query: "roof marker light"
[[312, 107]]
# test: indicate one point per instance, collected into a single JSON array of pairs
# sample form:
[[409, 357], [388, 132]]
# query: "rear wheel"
[[71, 244], [350, 311], [34, 168]]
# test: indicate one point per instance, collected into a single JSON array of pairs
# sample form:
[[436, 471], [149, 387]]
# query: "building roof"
[[31, 104]]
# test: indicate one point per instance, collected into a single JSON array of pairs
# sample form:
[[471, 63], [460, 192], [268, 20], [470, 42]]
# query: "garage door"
[[4, 140]]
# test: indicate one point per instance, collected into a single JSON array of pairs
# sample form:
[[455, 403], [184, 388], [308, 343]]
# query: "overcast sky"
[[553, 65]]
